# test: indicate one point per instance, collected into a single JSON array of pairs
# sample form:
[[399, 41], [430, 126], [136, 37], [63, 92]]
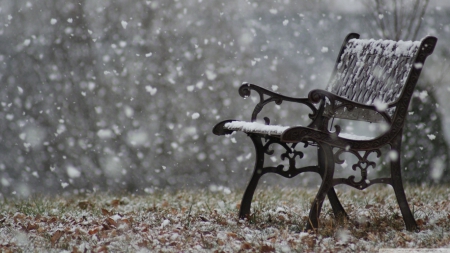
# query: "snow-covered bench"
[[372, 81]]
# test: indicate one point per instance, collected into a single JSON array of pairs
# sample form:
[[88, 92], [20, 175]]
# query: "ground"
[[205, 221]]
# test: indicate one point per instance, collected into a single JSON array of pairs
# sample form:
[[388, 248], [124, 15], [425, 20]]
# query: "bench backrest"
[[377, 71]]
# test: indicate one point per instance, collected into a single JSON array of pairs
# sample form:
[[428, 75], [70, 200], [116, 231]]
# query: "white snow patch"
[[380, 105], [137, 137], [124, 24], [73, 172], [324, 49], [431, 136], [105, 133], [165, 223], [151, 90], [5, 182], [210, 75], [423, 95], [195, 115], [53, 21]]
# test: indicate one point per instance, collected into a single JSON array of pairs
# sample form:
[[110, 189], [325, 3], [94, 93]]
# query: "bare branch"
[[420, 19], [415, 10]]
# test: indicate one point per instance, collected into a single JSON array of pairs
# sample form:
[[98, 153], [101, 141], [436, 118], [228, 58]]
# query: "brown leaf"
[[106, 212], [83, 204], [222, 222], [165, 204], [143, 243], [111, 222], [32, 226], [115, 203], [220, 242], [246, 245], [232, 235], [203, 218], [18, 216], [93, 231], [267, 248], [106, 226], [420, 222], [75, 250], [55, 237]]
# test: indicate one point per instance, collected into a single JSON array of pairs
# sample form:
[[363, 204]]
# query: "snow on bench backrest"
[[371, 70]]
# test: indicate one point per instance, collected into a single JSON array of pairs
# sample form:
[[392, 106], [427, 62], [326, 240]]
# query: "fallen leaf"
[[420, 222], [111, 222], [115, 203], [105, 212], [232, 235], [75, 250], [32, 226], [83, 204], [143, 243], [267, 248], [56, 236], [93, 231], [246, 245]]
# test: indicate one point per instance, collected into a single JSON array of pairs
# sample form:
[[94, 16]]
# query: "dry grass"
[[206, 221]]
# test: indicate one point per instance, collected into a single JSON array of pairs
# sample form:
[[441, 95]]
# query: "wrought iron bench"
[[372, 81]]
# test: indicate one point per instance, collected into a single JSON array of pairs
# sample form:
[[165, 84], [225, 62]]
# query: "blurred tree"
[[425, 149]]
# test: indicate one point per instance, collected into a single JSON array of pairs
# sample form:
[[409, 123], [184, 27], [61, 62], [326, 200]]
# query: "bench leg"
[[338, 209], [327, 170], [397, 184], [246, 202], [336, 205]]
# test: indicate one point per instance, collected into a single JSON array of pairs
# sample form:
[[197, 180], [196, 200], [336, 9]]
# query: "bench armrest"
[[246, 89], [329, 100]]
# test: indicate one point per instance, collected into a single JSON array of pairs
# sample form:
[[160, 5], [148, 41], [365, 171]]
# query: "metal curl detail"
[[363, 165]]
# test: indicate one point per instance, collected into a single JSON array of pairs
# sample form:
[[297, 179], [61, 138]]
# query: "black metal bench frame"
[[353, 88]]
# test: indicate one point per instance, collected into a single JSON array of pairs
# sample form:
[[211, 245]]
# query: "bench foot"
[[338, 209], [244, 211]]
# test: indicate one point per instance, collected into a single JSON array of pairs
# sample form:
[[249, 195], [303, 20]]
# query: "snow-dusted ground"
[[206, 221]]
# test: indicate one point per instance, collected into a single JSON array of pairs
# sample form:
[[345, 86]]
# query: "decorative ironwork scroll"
[[363, 165], [245, 91], [290, 155]]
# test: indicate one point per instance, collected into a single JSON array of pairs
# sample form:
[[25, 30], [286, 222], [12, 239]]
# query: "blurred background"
[[122, 95]]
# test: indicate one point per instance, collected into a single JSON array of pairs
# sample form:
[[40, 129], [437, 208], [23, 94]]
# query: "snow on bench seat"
[[256, 127]]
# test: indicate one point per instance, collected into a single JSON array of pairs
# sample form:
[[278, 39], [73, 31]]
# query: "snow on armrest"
[[255, 127]]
